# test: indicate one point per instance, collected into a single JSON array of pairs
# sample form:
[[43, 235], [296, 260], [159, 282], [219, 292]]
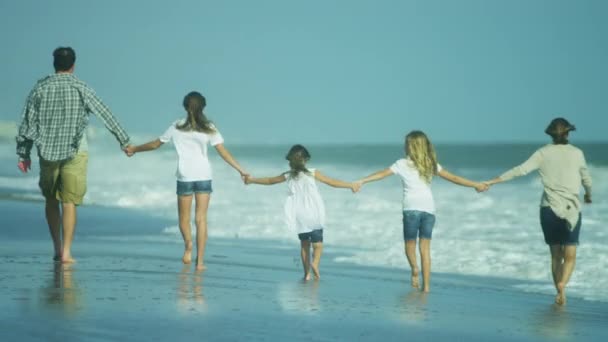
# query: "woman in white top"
[[562, 170], [304, 209], [190, 137], [416, 171]]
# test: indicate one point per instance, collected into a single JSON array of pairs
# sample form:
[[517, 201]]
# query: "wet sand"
[[127, 286]]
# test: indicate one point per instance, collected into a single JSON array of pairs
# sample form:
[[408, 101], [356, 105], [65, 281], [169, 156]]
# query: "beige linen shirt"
[[562, 170]]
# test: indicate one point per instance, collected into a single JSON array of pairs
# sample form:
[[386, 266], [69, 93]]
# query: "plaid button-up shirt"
[[56, 115]]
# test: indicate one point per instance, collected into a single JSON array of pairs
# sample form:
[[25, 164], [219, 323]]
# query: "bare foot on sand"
[[200, 267], [315, 271], [306, 277], [67, 259], [187, 258], [560, 298], [415, 282], [426, 289]]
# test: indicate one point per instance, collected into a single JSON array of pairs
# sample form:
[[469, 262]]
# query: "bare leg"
[[202, 204], [69, 226], [557, 260], [410, 253], [53, 219], [317, 250], [425, 260], [184, 206], [305, 254], [567, 269]]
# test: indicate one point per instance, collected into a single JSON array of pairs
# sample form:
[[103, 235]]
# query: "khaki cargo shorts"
[[65, 180]]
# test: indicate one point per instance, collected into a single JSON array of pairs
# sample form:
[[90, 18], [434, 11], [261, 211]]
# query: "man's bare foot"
[[187, 258], [560, 298], [426, 289], [57, 257], [200, 267], [415, 281], [315, 271], [306, 277]]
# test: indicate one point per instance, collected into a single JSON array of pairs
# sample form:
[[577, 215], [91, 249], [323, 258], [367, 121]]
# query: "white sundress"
[[304, 208]]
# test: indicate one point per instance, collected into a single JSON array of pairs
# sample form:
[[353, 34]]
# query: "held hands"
[[24, 165], [356, 186], [245, 177], [129, 150], [482, 187]]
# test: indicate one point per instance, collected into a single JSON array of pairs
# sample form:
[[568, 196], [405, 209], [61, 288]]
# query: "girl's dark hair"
[[298, 156], [558, 129], [194, 103]]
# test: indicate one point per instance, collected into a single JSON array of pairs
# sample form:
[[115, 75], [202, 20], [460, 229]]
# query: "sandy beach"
[[129, 288]]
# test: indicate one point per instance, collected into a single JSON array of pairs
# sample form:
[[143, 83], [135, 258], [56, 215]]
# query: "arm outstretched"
[[480, 187], [225, 154], [265, 180]]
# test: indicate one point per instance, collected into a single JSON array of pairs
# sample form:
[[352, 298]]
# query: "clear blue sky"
[[325, 71]]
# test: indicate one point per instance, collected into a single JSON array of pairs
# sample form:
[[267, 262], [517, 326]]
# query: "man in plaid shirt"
[[55, 118]]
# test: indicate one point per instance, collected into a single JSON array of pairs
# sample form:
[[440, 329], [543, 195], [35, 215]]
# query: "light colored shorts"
[[65, 180]]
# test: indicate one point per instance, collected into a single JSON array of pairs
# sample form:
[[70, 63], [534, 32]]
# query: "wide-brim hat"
[[559, 127]]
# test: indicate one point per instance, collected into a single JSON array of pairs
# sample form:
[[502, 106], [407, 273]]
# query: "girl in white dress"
[[304, 209]]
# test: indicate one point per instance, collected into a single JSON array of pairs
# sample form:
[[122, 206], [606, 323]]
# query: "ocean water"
[[491, 234]]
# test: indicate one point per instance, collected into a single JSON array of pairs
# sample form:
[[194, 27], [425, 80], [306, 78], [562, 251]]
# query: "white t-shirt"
[[304, 208], [191, 146], [417, 193]]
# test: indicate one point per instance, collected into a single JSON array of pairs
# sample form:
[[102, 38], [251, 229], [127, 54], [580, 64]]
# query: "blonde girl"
[[416, 171]]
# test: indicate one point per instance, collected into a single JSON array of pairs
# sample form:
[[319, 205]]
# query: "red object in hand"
[[24, 165]]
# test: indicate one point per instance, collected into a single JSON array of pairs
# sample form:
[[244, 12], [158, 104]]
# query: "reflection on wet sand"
[[62, 293], [414, 307], [299, 297], [190, 297], [552, 322]]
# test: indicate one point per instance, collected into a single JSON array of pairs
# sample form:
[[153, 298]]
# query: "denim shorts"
[[189, 188], [556, 230], [417, 223], [314, 236]]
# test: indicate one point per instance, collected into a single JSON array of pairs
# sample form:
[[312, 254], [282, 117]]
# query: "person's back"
[[417, 193], [561, 166], [192, 151], [60, 102], [304, 207]]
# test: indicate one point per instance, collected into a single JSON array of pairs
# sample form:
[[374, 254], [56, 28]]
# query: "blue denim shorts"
[[189, 188], [417, 223], [556, 230], [314, 236]]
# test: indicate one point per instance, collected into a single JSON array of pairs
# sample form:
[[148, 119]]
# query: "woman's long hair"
[[297, 156], [194, 103], [421, 152]]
